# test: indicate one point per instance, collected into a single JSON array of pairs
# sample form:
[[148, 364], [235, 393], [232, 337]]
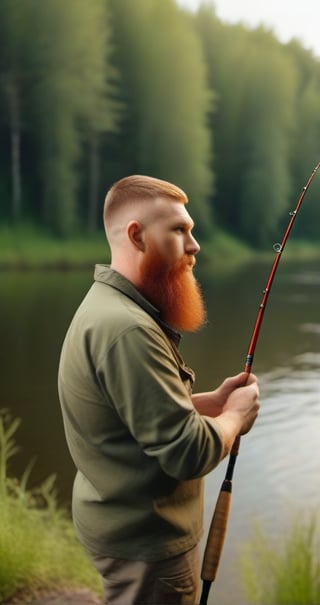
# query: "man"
[[140, 439]]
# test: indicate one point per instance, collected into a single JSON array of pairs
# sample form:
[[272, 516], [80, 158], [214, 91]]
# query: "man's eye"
[[180, 229]]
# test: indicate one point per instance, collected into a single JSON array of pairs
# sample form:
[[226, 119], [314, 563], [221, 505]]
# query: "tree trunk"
[[11, 90], [15, 136], [93, 182]]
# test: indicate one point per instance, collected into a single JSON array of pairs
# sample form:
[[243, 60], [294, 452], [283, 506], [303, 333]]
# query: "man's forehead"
[[172, 210]]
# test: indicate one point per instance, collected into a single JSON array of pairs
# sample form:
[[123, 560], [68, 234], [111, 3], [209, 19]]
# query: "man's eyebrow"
[[185, 222]]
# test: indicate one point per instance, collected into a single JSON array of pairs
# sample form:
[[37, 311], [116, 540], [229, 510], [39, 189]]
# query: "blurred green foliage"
[[93, 91]]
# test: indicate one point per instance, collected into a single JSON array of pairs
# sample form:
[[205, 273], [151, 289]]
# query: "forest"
[[93, 91]]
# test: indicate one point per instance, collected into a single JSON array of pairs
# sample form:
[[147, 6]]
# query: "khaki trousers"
[[173, 581]]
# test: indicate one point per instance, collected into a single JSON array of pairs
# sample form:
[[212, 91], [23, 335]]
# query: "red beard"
[[175, 291]]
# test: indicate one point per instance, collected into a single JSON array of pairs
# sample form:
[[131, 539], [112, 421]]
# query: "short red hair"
[[139, 187]]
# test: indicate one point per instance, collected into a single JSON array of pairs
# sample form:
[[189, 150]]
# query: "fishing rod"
[[218, 527]]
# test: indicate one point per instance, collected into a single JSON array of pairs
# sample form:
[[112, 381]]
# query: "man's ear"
[[136, 234]]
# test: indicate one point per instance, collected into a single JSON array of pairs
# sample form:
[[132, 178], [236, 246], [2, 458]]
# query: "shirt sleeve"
[[141, 378]]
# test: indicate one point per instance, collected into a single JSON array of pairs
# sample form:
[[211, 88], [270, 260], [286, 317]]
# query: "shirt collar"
[[106, 275]]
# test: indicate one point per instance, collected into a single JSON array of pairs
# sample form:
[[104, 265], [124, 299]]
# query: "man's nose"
[[192, 246]]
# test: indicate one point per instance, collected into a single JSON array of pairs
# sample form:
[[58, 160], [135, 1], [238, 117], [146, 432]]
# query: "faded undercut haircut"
[[139, 187]]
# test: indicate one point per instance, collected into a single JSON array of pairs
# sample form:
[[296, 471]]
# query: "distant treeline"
[[91, 91]]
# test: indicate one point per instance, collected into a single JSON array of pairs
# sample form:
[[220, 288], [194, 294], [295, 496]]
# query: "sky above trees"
[[286, 18]]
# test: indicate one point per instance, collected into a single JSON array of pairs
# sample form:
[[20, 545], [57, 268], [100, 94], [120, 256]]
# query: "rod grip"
[[217, 532]]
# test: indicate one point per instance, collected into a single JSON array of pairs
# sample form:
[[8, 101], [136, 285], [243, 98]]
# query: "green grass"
[[38, 549], [225, 248], [284, 570], [29, 247], [302, 250], [224, 253]]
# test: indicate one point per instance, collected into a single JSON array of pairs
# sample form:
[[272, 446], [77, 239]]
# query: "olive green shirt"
[[139, 445]]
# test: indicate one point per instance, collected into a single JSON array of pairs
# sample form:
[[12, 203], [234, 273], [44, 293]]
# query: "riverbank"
[[28, 248], [40, 558]]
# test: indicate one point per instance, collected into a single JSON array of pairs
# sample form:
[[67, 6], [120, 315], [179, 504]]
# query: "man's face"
[[167, 279], [170, 232]]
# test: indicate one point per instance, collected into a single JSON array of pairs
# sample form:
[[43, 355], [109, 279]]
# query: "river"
[[277, 472]]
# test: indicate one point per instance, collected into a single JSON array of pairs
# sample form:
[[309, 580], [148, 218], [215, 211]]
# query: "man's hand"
[[243, 404], [234, 405], [212, 403]]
